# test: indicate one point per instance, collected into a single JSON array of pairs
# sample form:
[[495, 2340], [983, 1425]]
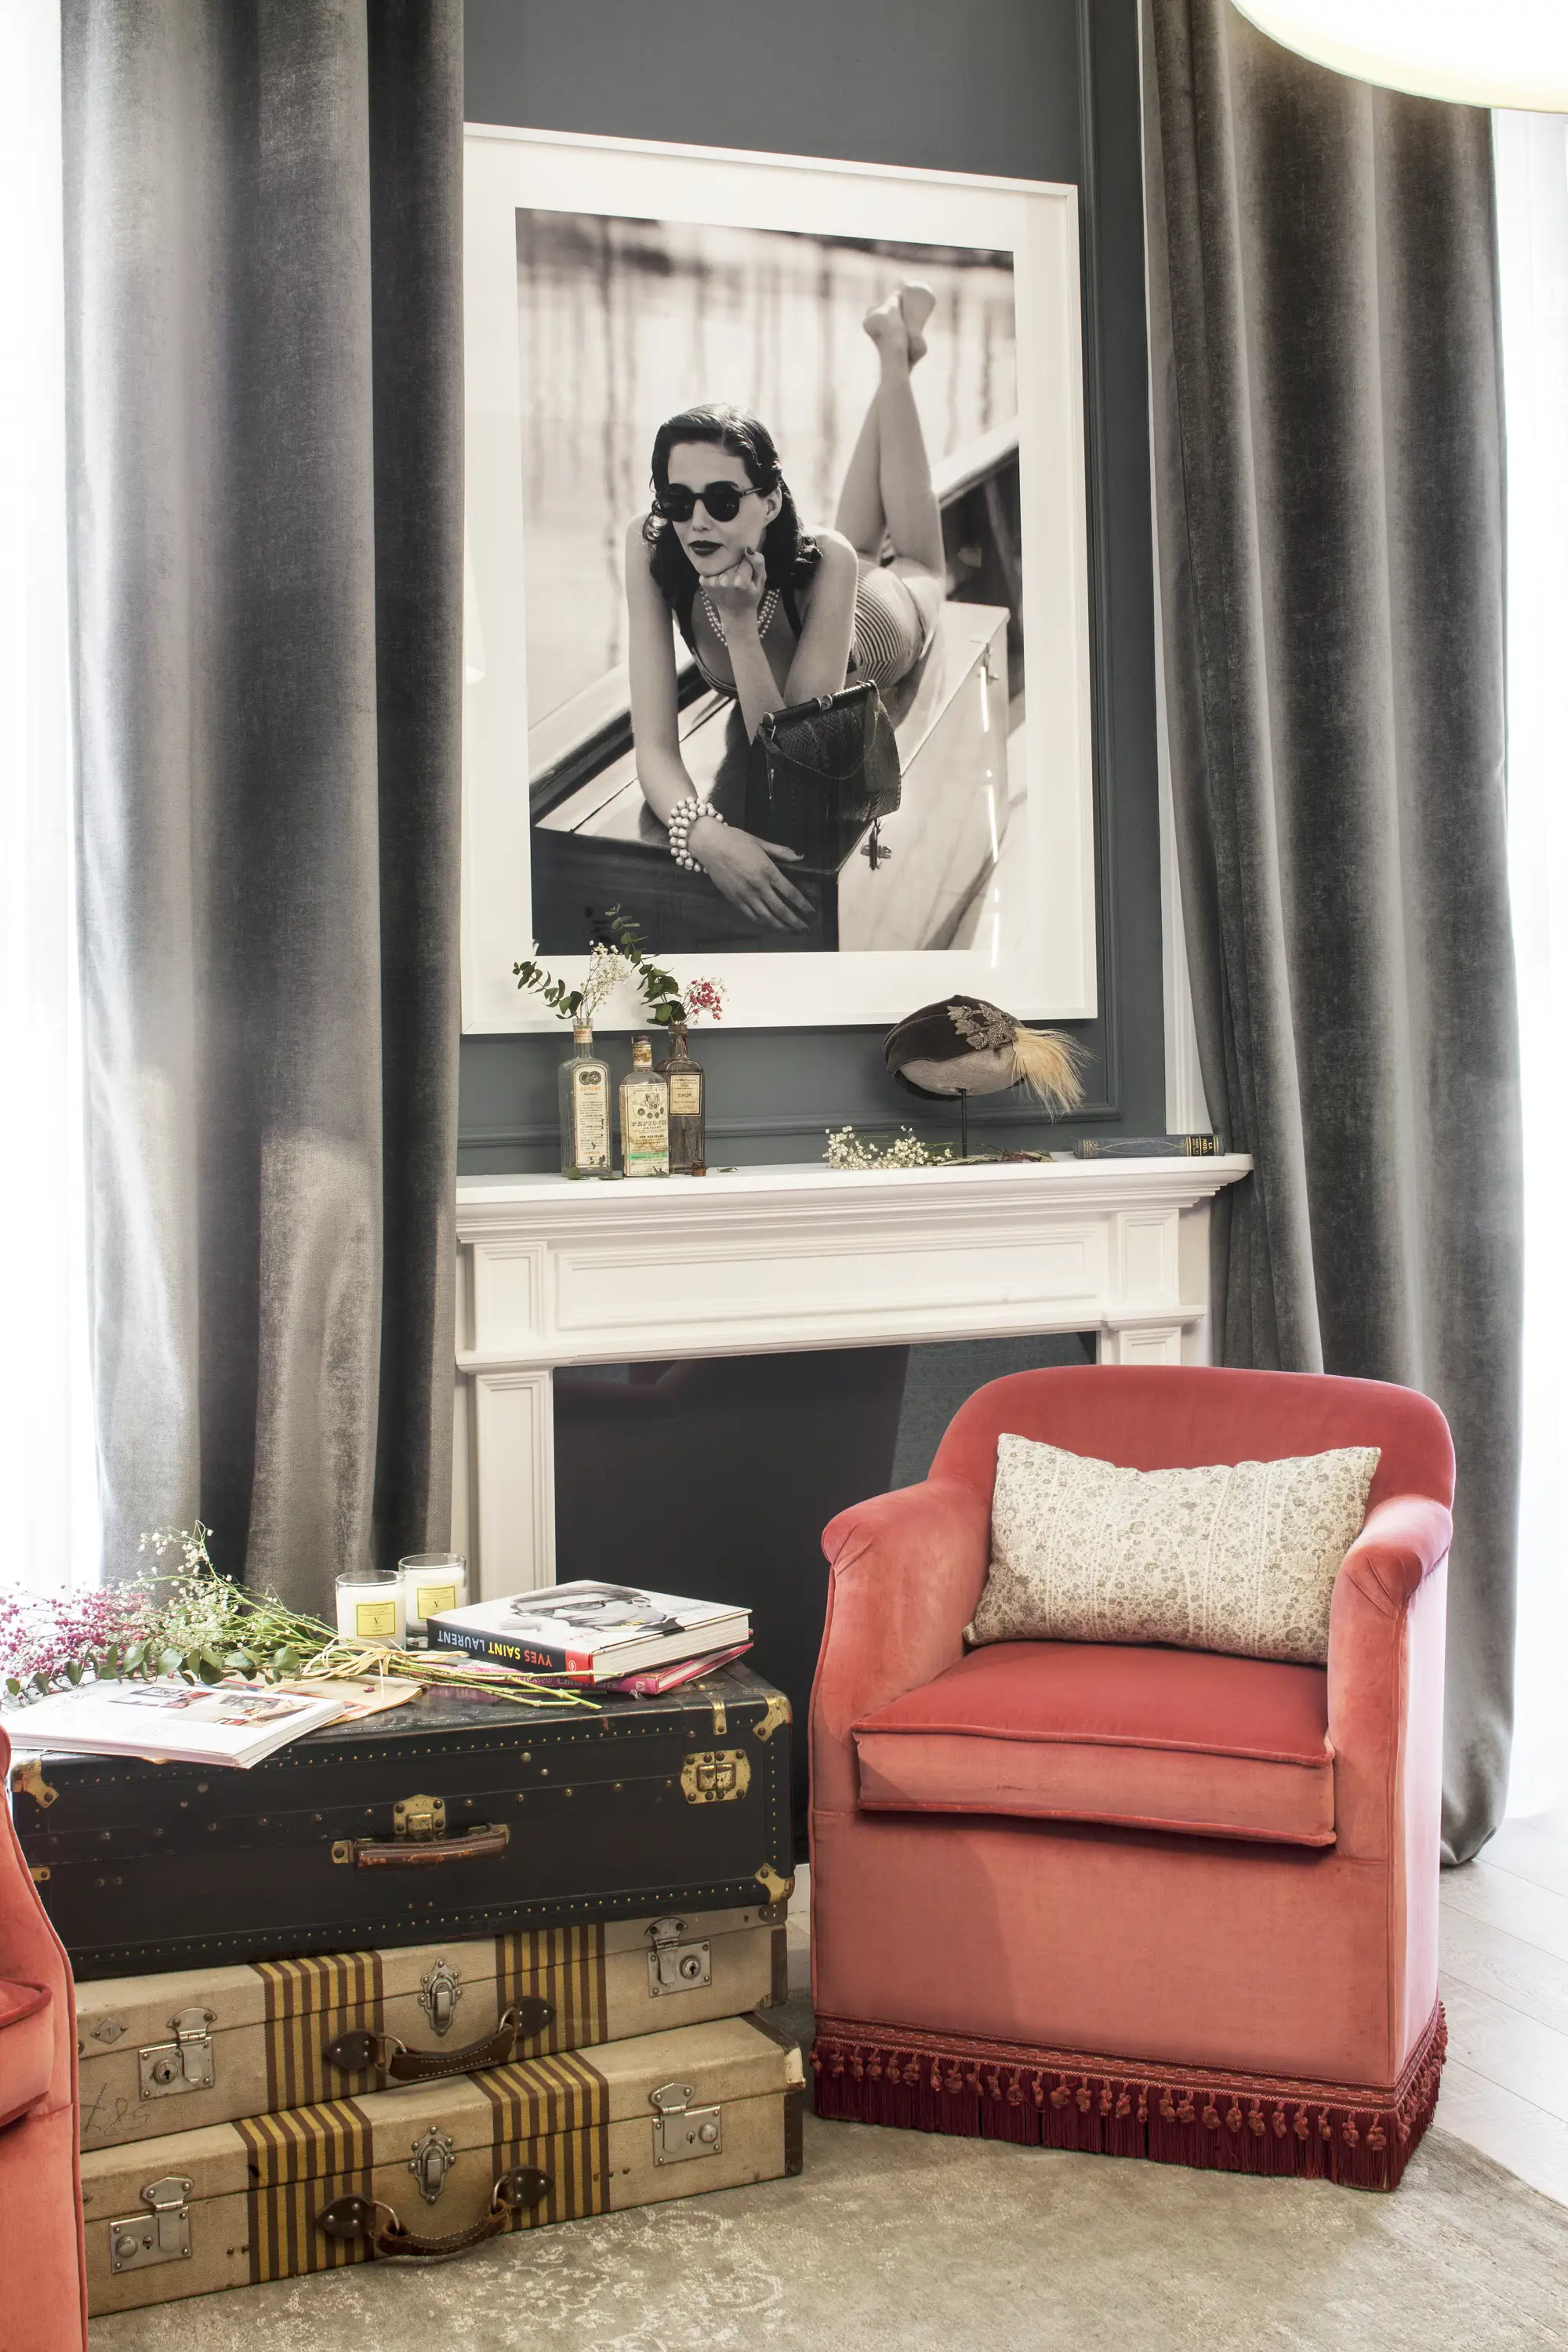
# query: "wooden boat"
[[904, 882]]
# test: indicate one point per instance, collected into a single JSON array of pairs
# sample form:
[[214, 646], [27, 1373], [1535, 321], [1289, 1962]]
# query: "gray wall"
[[1044, 89]]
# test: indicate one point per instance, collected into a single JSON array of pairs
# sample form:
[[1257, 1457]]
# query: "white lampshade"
[[1477, 52]]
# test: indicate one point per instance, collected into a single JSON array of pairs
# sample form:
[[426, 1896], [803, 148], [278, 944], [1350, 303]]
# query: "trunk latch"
[[440, 1992], [715, 1776], [162, 2234], [681, 2131], [433, 2157], [184, 2064], [675, 1965], [419, 1817]]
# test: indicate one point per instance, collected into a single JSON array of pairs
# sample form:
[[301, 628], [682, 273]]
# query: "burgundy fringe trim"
[[1105, 2106]]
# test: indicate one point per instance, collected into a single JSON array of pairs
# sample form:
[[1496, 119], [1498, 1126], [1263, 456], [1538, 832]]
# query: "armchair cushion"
[[1181, 1740]]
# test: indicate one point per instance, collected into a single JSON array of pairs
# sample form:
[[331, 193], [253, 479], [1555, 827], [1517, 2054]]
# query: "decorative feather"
[[1048, 1065]]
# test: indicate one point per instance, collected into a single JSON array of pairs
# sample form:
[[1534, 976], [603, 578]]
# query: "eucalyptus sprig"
[[607, 970], [664, 1000]]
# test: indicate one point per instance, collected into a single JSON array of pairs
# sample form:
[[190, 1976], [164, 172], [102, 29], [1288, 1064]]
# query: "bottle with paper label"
[[688, 1107], [645, 1116], [585, 1109]]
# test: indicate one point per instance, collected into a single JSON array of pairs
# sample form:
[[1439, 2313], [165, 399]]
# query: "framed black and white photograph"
[[777, 614]]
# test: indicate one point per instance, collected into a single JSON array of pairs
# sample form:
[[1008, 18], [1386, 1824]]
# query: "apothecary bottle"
[[645, 1116], [688, 1104], [584, 1088]]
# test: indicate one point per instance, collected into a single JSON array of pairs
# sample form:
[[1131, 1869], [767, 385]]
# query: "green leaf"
[[169, 1662], [74, 1671], [14, 1686]]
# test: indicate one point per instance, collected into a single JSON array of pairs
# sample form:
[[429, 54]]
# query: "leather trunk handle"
[[360, 2051], [355, 2217], [483, 1843]]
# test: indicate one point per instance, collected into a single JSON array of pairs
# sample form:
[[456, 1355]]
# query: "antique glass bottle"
[[584, 1088], [645, 1116], [688, 1106]]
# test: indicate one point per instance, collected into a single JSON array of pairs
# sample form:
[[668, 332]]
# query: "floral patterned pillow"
[[1240, 1557]]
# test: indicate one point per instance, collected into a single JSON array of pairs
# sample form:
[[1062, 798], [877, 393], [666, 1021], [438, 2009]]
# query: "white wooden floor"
[[1504, 1967], [1503, 1951]]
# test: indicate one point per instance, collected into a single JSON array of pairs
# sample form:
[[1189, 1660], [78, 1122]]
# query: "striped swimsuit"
[[888, 636]]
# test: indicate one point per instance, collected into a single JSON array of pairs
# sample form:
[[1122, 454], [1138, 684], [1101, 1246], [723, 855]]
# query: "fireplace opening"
[[715, 1476]]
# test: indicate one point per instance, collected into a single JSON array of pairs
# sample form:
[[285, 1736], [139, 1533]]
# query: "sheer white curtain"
[[1531, 156], [47, 1481]]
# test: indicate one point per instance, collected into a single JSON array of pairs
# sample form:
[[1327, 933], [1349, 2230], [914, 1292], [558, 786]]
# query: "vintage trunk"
[[456, 1815], [409, 2170], [165, 2053]]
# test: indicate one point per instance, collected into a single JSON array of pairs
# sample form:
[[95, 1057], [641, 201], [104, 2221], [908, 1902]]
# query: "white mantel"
[[553, 1272]]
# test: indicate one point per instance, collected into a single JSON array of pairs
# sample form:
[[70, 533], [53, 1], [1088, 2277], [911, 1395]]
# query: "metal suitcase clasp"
[[162, 2234], [674, 1966], [184, 2064], [715, 1776], [440, 1992], [419, 1817], [681, 2131], [433, 2157]]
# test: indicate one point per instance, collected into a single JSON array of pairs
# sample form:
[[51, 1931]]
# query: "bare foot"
[[917, 302], [884, 323]]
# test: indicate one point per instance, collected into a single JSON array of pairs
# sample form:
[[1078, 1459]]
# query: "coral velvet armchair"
[[1143, 1901], [43, 2277]]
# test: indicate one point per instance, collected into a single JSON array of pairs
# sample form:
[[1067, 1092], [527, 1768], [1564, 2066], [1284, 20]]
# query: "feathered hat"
[[965, 1047]]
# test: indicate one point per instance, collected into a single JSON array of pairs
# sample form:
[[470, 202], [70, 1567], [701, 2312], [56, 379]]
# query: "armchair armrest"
[[907, 1571], [1385, 1720], [1385, 1679]]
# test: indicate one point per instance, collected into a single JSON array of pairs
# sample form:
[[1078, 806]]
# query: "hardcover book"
[[590, 1632], [172, 1721]]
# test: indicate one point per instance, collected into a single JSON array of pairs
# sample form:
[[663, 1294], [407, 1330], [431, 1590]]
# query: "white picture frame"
[[1046, 967]]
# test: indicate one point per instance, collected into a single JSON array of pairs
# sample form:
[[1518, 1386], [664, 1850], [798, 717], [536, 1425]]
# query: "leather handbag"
[[821, 773]]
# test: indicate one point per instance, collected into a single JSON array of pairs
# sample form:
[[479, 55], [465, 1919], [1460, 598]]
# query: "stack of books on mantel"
[[613, 1636]]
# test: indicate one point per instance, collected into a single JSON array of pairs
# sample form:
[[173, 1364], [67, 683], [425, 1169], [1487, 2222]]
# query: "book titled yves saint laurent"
[[589, 1630]]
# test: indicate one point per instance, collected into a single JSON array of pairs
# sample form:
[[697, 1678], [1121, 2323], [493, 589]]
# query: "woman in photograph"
[[775, 616]]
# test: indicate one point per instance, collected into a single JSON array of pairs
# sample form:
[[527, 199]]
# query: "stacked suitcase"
[[421, 1979]]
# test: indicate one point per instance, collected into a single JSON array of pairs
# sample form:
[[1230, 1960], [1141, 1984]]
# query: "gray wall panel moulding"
[[1042, 89]]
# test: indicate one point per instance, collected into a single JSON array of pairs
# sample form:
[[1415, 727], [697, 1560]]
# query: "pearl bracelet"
[[679, 822]]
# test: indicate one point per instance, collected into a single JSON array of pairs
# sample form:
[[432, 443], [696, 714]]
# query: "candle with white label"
[[432, 1580], [370, 1606]]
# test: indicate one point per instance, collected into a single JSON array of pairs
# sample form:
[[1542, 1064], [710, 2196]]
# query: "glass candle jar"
[[432, 1580], [370, 1606]]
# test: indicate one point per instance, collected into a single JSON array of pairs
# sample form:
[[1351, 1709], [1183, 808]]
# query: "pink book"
[[656, 1680]]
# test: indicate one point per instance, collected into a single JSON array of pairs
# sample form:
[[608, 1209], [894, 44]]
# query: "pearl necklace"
[[765, 612]]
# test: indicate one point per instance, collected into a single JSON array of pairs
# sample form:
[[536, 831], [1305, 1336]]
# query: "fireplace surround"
[[554, 1272]]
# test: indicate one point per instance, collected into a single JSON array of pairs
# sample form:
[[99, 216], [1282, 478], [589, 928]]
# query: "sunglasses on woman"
[[722, 501]]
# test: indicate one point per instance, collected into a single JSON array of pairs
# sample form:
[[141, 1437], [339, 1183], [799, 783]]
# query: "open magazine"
[[174, 1722], [589, 1630]]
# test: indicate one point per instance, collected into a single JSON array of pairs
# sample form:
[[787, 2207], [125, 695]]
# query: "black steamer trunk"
[[456, 1814]]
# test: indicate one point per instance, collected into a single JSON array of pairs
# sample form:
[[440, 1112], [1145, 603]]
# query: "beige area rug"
[[897, 2241]]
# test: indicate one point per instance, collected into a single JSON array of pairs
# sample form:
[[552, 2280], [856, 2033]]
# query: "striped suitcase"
[[164, 2053], [432, 2170]]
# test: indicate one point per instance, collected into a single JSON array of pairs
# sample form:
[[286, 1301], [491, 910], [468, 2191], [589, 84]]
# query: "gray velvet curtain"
[[1330, 491], [264, 305]]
